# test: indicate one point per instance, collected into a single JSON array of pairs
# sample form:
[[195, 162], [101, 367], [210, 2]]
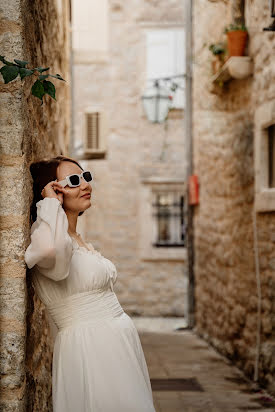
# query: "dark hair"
[[42, 173]]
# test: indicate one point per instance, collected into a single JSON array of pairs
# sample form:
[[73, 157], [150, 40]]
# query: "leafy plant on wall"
[[41, 87]]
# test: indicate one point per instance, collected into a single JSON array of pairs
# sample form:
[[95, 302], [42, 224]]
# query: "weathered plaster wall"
[[134, 148], [223, 125], [33, 31]]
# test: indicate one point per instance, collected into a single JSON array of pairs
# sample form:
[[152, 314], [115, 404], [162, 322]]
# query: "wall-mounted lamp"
[[272, 14], [156, 101]]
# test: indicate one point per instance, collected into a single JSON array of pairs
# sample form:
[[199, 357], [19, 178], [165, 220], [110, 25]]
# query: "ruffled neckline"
[[76, 246], [110, 266]]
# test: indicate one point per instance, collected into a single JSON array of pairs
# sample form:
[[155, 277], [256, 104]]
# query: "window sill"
[[265, 200], [91, 155], [175, 113], [168, 245], [172, 254]]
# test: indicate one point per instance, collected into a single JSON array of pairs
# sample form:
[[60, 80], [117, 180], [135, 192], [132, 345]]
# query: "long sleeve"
[[51, 246]]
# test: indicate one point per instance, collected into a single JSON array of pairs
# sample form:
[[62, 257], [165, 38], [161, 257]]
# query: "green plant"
[[41, 86], [234, 27], [217, 49]]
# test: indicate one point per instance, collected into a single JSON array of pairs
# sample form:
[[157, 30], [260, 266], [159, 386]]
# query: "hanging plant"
[[41, 86], [218, 49], [219, 52]]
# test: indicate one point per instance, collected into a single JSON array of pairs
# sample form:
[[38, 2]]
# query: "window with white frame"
[[165, 57], [168, 212], [95, 133], [264, 147]]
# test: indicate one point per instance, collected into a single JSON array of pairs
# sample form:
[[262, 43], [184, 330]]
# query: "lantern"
[[156, 102]]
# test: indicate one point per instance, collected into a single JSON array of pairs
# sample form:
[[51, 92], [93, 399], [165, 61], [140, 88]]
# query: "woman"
[[98, 361]]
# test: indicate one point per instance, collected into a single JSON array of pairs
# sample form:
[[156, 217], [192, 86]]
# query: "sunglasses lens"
[[74, 179], [87, 176]]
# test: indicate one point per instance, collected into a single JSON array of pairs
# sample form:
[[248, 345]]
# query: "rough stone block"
[[11, 10], [13, 242], [12, 405], [13, 298], [11, 46], [12, 359], [13, 181], [11, 123]]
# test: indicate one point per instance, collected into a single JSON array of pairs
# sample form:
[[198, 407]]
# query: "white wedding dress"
[[98, 362]]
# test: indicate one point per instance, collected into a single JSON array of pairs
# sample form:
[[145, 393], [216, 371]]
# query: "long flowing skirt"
[[98, 361]]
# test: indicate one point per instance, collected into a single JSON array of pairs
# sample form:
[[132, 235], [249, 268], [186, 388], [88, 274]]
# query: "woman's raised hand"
[[54, 189]]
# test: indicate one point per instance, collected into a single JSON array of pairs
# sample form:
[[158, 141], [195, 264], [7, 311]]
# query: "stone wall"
[[223, 127], [37, 32], [152, 286]]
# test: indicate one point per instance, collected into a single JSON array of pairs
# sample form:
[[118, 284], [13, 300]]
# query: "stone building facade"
[[228, 122], [37, 32], [141, 158]]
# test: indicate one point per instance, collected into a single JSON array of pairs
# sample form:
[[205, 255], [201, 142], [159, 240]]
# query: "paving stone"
[[184, 355]]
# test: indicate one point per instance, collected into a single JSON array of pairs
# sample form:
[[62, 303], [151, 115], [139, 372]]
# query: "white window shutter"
[[166, 57], [159, 54], [179, 67], [179, 51]]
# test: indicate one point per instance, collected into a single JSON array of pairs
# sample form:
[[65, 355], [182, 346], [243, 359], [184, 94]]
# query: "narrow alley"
[[188, 375], [140, 179]]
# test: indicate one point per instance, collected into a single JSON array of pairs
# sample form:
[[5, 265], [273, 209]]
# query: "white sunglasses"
[[74, 180]]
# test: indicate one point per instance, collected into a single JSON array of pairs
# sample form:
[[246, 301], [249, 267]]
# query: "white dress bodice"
[[61, 267]]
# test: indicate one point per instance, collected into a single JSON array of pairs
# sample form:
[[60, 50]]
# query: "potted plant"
[[236, 39], [218, 50]]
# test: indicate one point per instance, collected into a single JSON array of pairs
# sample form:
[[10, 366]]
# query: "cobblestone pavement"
[[206, 381]]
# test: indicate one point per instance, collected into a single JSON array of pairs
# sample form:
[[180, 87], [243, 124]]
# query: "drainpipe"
[[259, 296], [189, 211], [238, 17]]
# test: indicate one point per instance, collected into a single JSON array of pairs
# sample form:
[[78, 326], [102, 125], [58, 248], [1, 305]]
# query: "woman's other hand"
[[54, 189]]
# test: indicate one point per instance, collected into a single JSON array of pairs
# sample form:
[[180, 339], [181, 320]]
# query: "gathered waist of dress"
[[85, 307]]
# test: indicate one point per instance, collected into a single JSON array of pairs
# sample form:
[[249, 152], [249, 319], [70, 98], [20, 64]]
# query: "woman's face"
[[77, 199]]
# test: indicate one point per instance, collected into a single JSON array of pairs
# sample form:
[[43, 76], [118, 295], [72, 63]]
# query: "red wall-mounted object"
[[193, 185]]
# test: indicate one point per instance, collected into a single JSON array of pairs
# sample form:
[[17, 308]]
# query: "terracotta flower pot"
[[236, 41]]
